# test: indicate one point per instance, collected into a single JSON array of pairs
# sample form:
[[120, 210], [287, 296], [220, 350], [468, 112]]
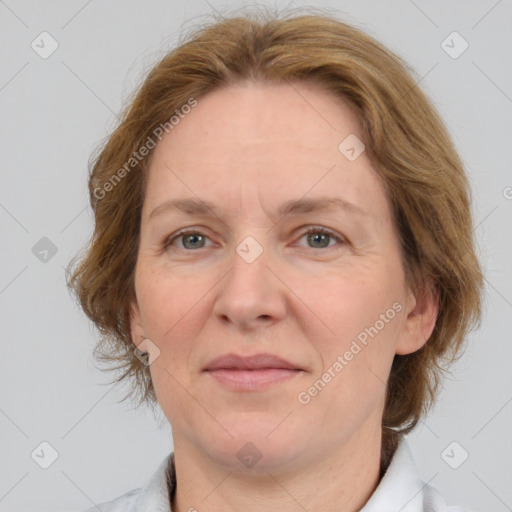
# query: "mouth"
[[251, 373]]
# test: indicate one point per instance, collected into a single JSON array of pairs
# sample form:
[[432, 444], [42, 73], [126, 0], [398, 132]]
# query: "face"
[[318, 284]]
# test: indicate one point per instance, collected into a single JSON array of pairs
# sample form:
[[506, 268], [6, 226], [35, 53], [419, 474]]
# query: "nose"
[[251, 295]]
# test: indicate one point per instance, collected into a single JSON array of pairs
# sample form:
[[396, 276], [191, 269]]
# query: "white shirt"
[[400, 490]]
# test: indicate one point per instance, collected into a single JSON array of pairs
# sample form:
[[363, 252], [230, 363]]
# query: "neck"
[[340, 479]]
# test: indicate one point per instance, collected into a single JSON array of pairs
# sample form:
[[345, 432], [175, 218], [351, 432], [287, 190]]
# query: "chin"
[[256, 444]]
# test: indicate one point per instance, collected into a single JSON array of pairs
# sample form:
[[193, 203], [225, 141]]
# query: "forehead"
[[243, 116], [275, 142]]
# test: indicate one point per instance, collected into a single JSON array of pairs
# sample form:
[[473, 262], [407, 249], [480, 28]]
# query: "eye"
[[191, 239], [319, 238]]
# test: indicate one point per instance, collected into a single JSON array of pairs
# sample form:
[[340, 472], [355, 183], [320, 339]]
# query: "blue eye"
[[319, 238], [190, 239]]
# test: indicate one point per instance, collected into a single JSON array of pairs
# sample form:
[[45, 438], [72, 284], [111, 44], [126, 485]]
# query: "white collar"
[[400, 490]]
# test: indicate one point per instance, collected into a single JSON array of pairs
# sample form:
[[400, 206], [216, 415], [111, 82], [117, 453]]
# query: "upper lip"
[[254, 362]]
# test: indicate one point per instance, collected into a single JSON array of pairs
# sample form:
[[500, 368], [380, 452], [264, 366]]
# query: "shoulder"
[[401, 488], [434, 501], [123, 503], [153, 497]]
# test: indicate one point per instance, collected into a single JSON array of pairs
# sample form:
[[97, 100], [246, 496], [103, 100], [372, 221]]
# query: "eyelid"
[[342, 240], [182, 232]]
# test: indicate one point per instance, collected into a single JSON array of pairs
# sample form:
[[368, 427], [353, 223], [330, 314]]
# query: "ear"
[[147, 350], [136, 327], [422, 309]]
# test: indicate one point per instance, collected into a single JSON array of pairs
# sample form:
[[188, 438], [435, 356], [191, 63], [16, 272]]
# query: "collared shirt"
[[400, 490]]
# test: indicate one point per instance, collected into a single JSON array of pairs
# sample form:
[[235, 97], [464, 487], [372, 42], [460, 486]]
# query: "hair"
[[405, 139]]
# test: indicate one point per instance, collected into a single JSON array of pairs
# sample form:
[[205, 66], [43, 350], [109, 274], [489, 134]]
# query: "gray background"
[[55, 111]]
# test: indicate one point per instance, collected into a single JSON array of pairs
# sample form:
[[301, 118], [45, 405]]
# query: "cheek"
[[364, 316], [349, 301], [168, 304], [170, 314], [356, 360]]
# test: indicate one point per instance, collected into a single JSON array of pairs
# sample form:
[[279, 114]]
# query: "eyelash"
[[312, 229]]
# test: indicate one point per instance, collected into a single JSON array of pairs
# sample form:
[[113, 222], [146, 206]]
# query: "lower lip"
[[252, 380]]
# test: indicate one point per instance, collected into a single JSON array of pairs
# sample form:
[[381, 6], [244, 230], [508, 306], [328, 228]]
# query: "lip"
[[251, 373], [254, 362]]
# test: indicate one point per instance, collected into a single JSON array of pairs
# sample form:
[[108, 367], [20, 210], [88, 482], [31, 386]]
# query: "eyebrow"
[[194, 206]]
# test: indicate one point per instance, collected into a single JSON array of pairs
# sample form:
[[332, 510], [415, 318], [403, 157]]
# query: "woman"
[[282, 257]]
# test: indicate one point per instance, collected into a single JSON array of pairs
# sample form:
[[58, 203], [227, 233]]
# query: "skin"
[[247, 149]]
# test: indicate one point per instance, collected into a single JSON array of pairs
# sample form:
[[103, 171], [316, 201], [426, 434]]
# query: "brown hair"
[[404, 137]]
